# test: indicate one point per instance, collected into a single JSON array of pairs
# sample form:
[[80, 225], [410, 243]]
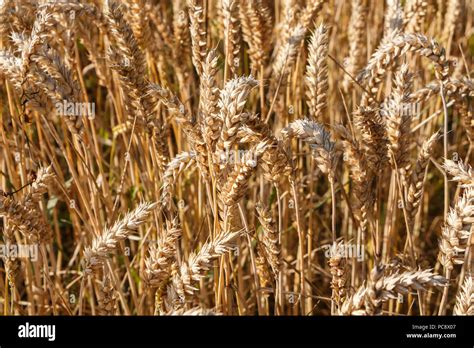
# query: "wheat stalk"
[[230, 9], [192, 270], [256, 21], [465, 299], [96, 254], [460, 171], [319, 140], [399, 119], [270, 239], [173, 169], [231, 103], [415, 14], [456, 232], [316, 78], [416, 182], [197, 25], [161, 256], [385, 56], [106, 297], [356, 36]]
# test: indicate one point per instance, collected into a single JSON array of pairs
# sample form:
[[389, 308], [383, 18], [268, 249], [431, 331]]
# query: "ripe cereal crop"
[[236, 157]]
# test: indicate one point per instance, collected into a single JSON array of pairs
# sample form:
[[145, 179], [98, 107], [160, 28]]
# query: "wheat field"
[[235, 157]]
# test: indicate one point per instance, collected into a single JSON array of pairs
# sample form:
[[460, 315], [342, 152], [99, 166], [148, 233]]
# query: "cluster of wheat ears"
[[237, 157]]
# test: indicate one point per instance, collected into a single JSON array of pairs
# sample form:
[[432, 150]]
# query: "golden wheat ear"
[[97, 253]]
